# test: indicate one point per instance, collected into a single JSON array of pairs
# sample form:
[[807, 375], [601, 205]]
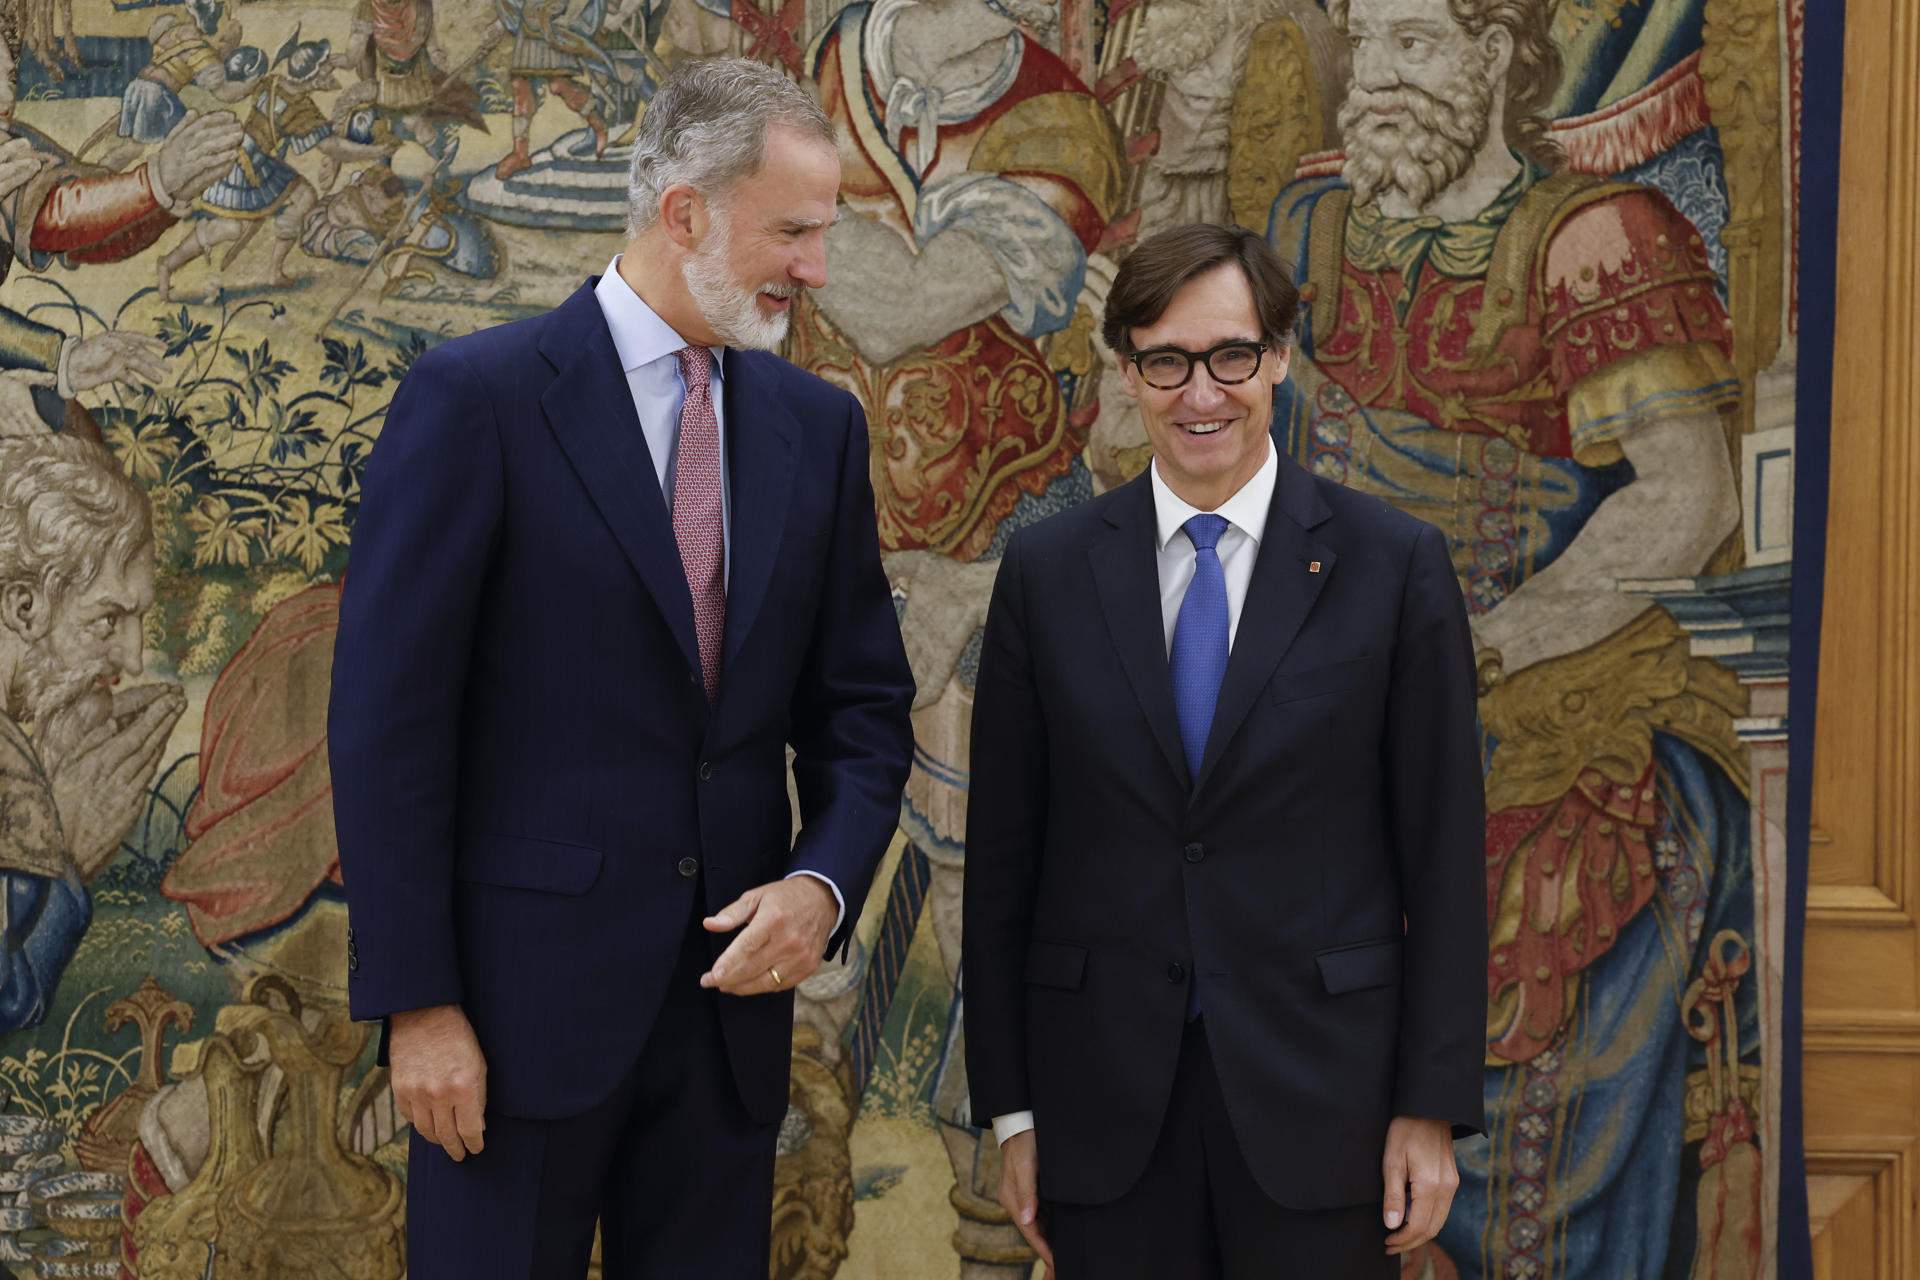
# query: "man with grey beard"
[[1538, 362], [76, 754], [610, 563]]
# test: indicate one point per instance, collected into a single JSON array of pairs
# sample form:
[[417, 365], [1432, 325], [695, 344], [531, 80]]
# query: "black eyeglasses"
[[1166, 368]]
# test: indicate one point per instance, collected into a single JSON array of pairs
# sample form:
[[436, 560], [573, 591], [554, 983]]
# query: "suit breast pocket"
[[1327, 678]]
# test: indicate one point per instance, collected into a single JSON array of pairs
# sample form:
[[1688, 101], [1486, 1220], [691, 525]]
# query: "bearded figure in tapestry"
[[77, 753], [1537, 361]]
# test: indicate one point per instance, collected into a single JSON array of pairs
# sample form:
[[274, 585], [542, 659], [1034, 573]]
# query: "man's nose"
[[1202, 392], [128, 656], [1372, 69], [810, 267]]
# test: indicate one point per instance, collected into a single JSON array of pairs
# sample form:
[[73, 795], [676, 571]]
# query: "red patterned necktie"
[[697, 520]]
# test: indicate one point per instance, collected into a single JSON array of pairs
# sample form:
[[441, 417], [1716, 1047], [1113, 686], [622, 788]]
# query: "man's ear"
[[25, 611], [1127, 375], [1497, 46], [1282, 358], [684, 216]]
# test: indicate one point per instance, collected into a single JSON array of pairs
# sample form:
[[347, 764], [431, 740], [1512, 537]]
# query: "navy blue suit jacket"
[[529, 785], [1321, 876]]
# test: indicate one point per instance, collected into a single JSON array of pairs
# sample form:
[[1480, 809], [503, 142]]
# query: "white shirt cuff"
[[1007, 1126], [62, 385], [162, 196], [838, 897]]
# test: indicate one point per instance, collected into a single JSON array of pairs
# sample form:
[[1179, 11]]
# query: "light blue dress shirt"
[[647, 346]]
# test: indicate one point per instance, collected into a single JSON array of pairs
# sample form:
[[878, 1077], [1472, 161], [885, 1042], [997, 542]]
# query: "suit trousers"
[[1197, 1214], [671, 1165]]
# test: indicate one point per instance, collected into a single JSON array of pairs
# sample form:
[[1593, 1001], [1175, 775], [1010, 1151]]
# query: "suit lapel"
[[1279, 597], [760, 442], [1126, 573], [590, 409]]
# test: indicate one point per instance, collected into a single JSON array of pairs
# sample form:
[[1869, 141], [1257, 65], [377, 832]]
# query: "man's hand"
[[1419, 1152], [1020, 1192], [19, 162], [103, 764], [115, 356], [199, 150], [787, 924], [439, 1077]]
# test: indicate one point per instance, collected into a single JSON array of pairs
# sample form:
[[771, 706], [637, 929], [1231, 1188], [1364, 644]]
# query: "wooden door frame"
[[1861, 1083]]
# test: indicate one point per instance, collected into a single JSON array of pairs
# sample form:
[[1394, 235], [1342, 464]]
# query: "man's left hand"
[[784, 928], [1419, 1155]]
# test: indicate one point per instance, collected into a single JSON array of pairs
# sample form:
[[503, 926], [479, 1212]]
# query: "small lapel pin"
[[1313, 566]]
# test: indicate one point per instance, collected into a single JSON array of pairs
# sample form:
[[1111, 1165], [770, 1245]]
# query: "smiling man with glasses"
[[1224, 918]]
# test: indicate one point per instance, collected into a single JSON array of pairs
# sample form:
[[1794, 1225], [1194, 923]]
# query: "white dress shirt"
[[1246, 516], [647, 346]]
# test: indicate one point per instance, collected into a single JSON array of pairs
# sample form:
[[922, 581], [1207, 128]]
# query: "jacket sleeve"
[[430, 510], [1437, 820], [852, 732], [1006, 826], [44, 919]]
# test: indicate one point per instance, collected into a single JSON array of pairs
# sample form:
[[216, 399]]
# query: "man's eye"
[[1408, 43], [101, 628]]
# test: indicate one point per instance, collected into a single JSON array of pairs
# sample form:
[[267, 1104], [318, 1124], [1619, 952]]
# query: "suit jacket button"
[[1194, 852], [688, 867], [706, 770], [1176, 972]]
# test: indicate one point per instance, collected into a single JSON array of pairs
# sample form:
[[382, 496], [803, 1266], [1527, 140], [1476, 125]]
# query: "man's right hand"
[[1020, 1192], [103, 752], [20, 160], [115, 355], [200, 150], [439, 1077]]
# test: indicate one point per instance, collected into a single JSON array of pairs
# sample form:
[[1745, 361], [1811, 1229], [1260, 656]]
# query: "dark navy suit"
[[536, 803], [1319, 876]]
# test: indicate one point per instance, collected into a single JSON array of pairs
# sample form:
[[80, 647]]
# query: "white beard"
[[44, 689], [733, 312], [1425, 149]]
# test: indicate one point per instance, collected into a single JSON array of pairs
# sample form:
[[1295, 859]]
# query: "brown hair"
[[1532, 76], [1167, 260]]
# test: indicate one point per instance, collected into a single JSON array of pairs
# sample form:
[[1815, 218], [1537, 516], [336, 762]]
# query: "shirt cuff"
[[838, 898], [1014, 1122], [161, 196], [62, 386]]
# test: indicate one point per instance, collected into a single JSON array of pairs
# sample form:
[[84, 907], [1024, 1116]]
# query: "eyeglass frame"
[[1201, 357]]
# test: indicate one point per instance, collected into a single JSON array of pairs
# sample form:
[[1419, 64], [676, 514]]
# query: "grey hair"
[[66, 513], [706, 126]]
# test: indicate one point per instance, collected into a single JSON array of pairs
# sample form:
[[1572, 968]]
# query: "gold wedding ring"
[[775, 974]]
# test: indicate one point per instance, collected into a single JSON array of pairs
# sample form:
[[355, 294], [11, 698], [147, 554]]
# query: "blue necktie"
[[1198, 662], [1199, 659]]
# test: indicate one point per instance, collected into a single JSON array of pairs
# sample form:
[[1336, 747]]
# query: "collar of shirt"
[[639, 334], [1246, 510]]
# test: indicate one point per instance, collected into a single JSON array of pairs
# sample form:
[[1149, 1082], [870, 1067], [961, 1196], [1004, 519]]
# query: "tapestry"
[[231, 226]]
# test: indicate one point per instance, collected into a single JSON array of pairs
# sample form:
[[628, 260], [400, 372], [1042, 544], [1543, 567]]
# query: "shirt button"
[[706, 770], [688, 866], [1176, 972], [1194, 852]]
